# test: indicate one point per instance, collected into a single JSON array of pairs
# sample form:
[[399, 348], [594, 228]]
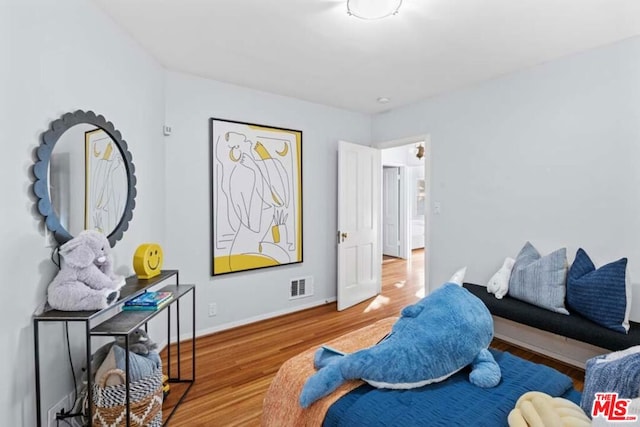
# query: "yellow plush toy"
[[536, 409]]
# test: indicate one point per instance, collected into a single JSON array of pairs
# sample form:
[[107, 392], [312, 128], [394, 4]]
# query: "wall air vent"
[[301, 287]]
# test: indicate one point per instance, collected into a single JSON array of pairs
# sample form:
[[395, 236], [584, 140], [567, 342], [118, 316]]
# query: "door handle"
[[343, 236]]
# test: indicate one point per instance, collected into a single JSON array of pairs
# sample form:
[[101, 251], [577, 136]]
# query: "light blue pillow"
[[140, 366], [601, 295], [540, 280]]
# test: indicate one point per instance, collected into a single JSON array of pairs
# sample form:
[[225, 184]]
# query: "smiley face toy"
[[147, 260]]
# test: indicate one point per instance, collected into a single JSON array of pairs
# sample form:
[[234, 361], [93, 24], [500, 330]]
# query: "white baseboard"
[[564, 349], [247, 321]]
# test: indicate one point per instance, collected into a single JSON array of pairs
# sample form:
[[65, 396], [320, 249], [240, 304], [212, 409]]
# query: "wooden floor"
[[234, 367]]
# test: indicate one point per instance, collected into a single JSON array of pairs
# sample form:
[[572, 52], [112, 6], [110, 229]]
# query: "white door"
[[359, 266], [391, 211]]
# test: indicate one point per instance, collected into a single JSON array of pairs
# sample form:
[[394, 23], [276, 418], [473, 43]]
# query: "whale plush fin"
[[321, 384], [325, 355], [412, 311], [485, 371]]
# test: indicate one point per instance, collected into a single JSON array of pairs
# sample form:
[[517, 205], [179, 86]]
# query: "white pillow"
[[499, 282], [458, 276]]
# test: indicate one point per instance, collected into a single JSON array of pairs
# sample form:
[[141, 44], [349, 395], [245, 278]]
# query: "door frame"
[[426, 139]]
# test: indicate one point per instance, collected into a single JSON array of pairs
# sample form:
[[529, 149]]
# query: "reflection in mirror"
[[84, 178], [105, 182], [87, 180]]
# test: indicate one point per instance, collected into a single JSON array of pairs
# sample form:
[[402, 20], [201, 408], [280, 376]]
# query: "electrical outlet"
[[55, 409], [213, 309]]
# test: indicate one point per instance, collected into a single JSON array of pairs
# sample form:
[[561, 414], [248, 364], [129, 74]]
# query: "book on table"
[[151, 299], [147, 307]]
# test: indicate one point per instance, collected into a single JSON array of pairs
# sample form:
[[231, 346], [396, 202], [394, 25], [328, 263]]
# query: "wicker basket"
[[109, 407]]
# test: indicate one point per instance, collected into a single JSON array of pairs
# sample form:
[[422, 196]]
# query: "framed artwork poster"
[[256, 196]]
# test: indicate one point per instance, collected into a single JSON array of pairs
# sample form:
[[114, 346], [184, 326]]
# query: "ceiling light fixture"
[[373, 9]]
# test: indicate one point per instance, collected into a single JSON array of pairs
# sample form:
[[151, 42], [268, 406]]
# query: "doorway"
[[403, 199], [418, 215]]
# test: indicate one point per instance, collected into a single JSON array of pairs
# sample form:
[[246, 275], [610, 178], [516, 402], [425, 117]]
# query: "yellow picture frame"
[[256, 196]]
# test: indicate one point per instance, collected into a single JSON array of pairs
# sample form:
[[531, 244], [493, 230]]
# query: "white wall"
[[58, 57], [548, 155], [247, 296]]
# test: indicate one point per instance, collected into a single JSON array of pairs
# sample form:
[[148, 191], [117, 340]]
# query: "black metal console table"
[[122, 323]]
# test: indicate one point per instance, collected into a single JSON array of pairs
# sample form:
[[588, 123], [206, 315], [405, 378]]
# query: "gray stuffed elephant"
[[86, 280]]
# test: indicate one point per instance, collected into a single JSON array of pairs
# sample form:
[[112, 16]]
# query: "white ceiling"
[[312, 50]]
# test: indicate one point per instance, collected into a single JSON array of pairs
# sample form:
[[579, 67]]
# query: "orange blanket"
[[281, 407]]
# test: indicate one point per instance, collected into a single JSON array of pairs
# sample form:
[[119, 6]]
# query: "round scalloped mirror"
[[84, 177]]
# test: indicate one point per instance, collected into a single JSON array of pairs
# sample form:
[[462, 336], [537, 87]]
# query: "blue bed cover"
[[453, 402]]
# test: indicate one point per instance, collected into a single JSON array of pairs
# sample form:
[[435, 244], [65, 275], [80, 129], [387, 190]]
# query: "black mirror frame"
[[41, 168]]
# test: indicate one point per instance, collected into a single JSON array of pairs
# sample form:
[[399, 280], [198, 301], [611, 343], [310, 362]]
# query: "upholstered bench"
[[572, 326]]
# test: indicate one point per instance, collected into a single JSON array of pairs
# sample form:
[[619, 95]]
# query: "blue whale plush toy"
[[433, 339]]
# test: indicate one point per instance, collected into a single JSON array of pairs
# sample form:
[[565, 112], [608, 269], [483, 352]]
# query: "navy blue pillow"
[[599, 295]]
